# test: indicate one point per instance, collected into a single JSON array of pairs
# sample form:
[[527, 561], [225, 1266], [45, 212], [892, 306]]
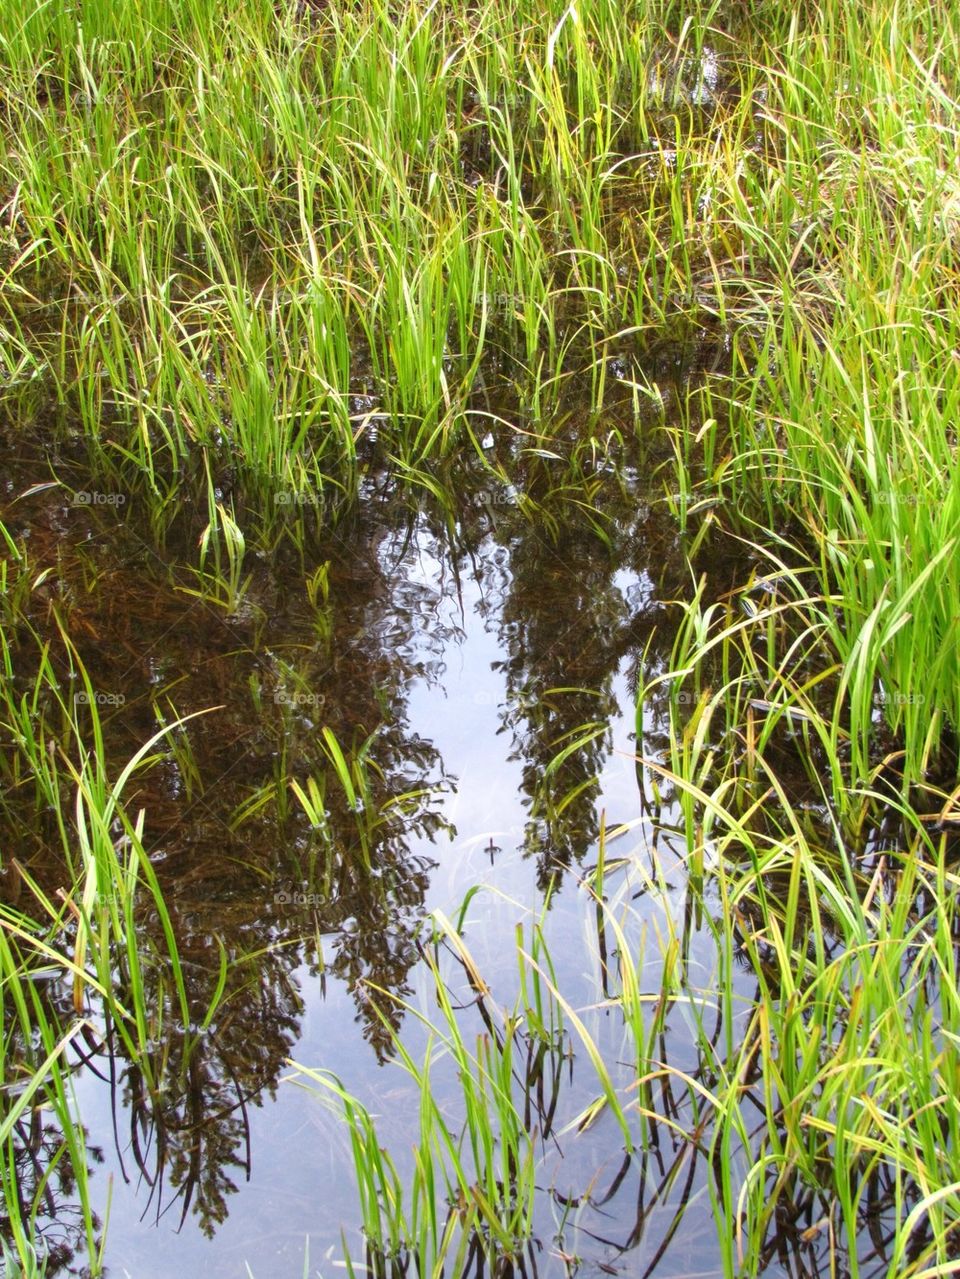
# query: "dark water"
[[456, 652]]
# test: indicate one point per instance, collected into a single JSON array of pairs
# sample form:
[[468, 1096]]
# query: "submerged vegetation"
[[574, 288]]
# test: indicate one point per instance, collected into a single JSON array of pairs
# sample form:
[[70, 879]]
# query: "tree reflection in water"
[[246, 873], [574, 593], [243, 872], [574, 598]]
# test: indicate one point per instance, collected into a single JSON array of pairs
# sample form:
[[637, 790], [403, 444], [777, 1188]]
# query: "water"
[[456, 658]]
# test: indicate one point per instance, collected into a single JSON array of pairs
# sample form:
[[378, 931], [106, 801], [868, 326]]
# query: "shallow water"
[[457, 657]]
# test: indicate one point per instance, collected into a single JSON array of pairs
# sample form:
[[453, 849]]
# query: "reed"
[[470, 1194], [246, 266], [77, 968]]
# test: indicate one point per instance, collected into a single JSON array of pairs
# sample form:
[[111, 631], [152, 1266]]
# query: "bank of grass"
[[245, 263], [840, 900], [269, 254]]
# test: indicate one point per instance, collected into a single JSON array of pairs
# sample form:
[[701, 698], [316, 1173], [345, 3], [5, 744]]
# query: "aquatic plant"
[[471, 1194], [254, 273]]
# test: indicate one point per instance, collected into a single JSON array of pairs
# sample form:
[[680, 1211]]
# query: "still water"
[[479, 666]]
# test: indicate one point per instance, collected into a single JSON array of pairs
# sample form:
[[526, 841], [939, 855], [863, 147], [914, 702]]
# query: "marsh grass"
[[468, 1199], [821, 1016], [249, 253], [77, 971], [248, 265], [846, 933]]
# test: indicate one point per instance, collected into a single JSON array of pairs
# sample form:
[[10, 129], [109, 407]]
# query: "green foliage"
[[248, 264]]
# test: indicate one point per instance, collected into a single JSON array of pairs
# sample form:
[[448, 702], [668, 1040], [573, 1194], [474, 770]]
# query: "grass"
[[846, 935], [248, 251], [472, 1188], [822, 1103], [251, 270], [78, 971]]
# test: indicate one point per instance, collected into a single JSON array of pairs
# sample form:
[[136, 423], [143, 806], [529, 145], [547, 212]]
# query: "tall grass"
[[469, 1195], [848, 1045], [77, 971], [247, 264], [246, 250]]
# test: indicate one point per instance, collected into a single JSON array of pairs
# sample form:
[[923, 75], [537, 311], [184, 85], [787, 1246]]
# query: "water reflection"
[[245, 872], [296, 863], [563, 624], [295, 830]]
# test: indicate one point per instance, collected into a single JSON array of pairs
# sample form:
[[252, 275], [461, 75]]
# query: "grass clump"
[[839, 900], [469, 1195]]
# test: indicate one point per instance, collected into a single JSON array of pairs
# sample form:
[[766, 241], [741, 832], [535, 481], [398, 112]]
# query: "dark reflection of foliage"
[[565, 635], [565, 625], [192, 1136], [235, 855], [240, 863]]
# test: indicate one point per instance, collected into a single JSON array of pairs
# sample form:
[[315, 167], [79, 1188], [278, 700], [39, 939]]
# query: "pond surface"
[[480, 666]]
